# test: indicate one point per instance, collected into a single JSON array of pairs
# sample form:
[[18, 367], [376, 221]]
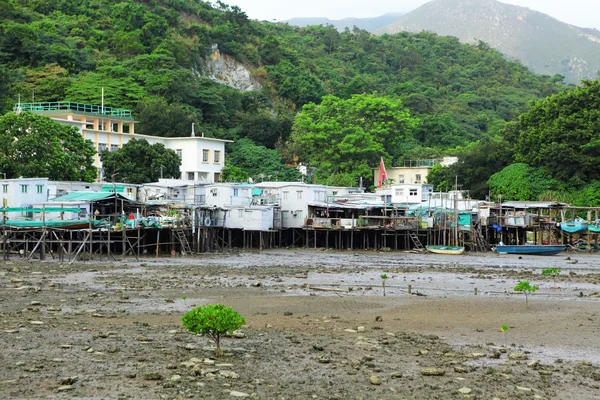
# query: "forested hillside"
[[151, 56]]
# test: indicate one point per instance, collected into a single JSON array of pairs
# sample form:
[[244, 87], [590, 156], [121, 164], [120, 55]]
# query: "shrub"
[[214, 321], [383, 278]]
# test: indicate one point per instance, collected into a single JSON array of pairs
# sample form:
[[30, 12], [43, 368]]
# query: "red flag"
[[383, 178]]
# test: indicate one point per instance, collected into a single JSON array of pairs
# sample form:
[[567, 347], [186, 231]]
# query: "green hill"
[[154, 58], [540, 42], [368, 24]]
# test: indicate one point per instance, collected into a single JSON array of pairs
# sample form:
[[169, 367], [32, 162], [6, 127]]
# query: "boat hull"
[[449, 250], [540, 250], [577, 226]]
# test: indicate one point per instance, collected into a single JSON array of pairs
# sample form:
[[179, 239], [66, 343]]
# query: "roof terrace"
[[68, 106]]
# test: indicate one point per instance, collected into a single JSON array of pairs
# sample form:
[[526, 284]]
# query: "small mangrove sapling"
[[214, 321], [504, 329], [527, 289], [383, 278], [554, 272]]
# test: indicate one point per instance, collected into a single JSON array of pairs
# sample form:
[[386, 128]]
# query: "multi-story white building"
[[61, 188], [413, 171], [202, 158]]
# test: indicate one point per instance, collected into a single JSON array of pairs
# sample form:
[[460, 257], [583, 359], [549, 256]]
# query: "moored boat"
[[440, 249], [576, 226], [532, 249]]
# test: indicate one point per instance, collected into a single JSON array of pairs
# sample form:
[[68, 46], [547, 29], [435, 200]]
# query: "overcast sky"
[[583, 13]]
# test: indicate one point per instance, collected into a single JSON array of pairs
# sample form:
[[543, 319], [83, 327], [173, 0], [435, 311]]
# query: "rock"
[[175, 378], [524, 389], [379, 318], [188, 364], [233, 393], [375, 380], [69, 381], [287, 313], [396, 374], [239, 335], [36, 322], [460, 369], [433, 372], [257, 284], [324, 359], [533, 364], [423, 352], [465, 390], [318, 347], [65, 388], [143, 339], [190, 346], [360, 329], [229, 374], [152, 376], [517, 356]]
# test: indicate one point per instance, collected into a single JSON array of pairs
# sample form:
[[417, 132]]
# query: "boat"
[[532, 249], [576, 226], [594, 227], [441, 249]]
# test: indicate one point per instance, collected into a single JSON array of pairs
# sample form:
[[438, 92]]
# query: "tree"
[[214, 321], [35, 146], [553, 272], [140, 162], [520, 182], [475, 167], [527, 289], [344, 139], [259, 163], [562, 133]]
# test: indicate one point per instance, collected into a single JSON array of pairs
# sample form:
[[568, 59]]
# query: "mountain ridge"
[[542, 43]]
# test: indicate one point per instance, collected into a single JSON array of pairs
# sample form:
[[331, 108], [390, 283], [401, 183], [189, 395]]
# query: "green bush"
[[214, 321]]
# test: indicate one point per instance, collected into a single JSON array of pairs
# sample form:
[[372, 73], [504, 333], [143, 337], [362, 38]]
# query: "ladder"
[[480, 243], [415, 239], [185, 245]]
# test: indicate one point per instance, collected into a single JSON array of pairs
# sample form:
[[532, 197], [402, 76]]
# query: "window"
[[40, 188], [299, 194], [412, 192], [205, 155], [286, 214], [179, 153], [285, 195], [129, 191], [102, 147], [217, 176], [114, 147], [236, 192], [190, 176], [399, 192], [5, 188], [217, 157], [241, 213], [400, 178], [24, 188], [299, 214], [418, 178]]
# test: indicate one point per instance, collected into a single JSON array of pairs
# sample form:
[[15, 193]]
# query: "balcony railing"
[[71, 106]]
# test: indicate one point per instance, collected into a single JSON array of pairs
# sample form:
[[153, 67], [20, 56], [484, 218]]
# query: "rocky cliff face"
[[230, 72]]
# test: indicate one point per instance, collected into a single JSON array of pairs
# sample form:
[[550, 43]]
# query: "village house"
[[108, 128]]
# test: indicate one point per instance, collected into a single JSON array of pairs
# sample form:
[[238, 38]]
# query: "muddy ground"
[[318, 327]]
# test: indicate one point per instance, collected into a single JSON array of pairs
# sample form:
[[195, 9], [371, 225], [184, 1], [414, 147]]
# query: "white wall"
[[227, 194], [410, 194], [23, 192]]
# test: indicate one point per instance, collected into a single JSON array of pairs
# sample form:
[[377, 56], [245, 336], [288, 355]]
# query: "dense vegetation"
[[452, 99]]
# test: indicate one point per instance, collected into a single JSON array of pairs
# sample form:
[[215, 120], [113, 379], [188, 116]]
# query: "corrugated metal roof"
[[533, 204], [85, 196]]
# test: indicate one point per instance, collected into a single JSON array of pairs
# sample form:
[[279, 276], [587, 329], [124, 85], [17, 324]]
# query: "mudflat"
[[318, 326]]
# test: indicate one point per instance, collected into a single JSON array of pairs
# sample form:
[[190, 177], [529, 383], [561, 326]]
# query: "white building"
[[228, 194], [410, 193], [169, 190], [61, 188], [202, 159], [24, 192], [413, 171]]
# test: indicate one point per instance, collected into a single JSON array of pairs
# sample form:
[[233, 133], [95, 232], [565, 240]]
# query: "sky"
[[582, 13]]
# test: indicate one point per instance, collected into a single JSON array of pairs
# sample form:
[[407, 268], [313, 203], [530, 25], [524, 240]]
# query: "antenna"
[[19, 109], [102, 100], [193, 134]]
